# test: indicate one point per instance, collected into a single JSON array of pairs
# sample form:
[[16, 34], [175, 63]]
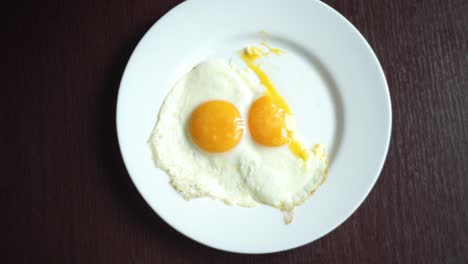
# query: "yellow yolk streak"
[[276, 51], [249, 55]]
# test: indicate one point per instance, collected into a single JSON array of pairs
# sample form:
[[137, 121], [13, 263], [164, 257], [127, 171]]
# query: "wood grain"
[[66, 196]]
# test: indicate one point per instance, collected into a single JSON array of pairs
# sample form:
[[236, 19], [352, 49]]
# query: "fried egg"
[[226, 133]]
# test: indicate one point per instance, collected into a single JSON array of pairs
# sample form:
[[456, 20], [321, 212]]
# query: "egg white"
[[247, 175]]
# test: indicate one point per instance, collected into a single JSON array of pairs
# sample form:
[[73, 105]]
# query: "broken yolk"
[[271, 121], [216, 126]]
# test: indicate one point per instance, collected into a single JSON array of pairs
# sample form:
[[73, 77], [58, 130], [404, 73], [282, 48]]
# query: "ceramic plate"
[[330, 77]]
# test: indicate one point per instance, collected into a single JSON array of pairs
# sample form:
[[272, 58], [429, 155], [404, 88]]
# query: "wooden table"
[[66, 196]]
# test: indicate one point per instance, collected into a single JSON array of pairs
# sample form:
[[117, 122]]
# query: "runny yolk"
[[216, 126], [271, 121]]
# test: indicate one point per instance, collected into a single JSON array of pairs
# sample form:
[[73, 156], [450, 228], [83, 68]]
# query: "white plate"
[[331, 79]]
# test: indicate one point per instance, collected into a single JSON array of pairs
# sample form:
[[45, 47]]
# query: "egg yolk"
[[216, 126], [267, 123], [271, 122]]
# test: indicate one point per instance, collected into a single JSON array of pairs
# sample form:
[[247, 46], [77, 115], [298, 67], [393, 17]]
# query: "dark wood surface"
[[66, 196]]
